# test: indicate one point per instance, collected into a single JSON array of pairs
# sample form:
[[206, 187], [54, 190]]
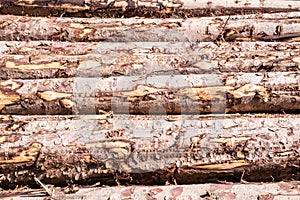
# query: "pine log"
[[144, 8], [45, 59], [163, 94], [225, 191], [254, 27], [122, 149]]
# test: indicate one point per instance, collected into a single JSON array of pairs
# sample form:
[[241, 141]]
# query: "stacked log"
[[205, 98]]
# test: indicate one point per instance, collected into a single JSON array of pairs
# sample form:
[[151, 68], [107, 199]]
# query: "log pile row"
[[148, 92]]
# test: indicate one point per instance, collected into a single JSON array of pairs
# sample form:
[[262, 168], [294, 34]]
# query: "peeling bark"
[[150, 150], [36, 60], [165, 94], [255, 27], [148, 8]]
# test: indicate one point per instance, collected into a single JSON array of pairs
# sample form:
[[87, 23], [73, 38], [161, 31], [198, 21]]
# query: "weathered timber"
[[255, 27], [126, 149], [225, 191], [45, 59], [158, 94], [148, 8]]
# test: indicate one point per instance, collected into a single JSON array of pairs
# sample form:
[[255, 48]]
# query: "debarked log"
[[254, 27], [45, 59], [158, 94], [144, 8], [124, 149]]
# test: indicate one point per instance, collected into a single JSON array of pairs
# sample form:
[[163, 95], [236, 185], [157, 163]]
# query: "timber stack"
[[150, 92]]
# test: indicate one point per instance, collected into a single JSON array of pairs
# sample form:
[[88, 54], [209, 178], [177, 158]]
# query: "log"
[[151, 150], [165, 94], [254, 27], [45, 59], [147, 8], [250, 191]]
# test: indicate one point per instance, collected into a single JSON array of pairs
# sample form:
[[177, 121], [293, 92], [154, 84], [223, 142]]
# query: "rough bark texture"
[[164, 94], [248, 62], [36, 60], [147, 8], [151, 150], [229, 191], [255, 27]]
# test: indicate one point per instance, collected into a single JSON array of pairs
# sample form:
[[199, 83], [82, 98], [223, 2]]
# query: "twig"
[[220, 36], [225, 25], [242, 180], [44, 186]]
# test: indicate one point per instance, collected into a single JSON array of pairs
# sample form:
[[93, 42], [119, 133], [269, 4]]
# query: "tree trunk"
[[148, 149], [265, 27], [146, 8], [37, 60], [165, 94]]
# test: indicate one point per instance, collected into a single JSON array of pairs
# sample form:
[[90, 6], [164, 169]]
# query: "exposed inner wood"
[[115, 149], [253, 27], [45, 59]]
